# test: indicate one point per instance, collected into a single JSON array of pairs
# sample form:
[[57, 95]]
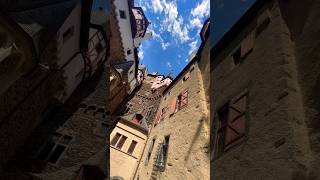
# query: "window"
[[149, 112], [163, 113], [115, 139], [182, 100], [127, 110], [56, 154], [121, 142], [131, 71], [163, 154], [129, 51], [137, 119], [246, 47], [262, 26], [192, 68], [67, 34], [54, 148], [150, 151], [237, 56], [132, 146], [122, 14], [231, 124], [186, 77]]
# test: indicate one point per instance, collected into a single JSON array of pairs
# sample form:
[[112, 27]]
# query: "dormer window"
[[137, 119]]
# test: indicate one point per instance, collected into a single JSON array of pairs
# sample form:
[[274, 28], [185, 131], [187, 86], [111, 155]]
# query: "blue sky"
[[175, 25], [224, 14]]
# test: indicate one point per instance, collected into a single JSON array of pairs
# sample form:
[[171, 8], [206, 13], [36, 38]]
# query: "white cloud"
[[158, 37], [144, 8], [173, 23], [193, 47], [179, 56], [140, 54], [196, 22], [169, 65], [201, 11], [165, 45], [157, 6]]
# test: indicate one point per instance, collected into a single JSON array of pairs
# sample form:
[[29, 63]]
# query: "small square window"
[[237, 56], [129, 51], [68, 34], [186, 77], [192, 68], [122, 14]]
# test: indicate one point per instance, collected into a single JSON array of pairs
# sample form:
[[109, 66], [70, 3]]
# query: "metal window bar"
[[160, 158]]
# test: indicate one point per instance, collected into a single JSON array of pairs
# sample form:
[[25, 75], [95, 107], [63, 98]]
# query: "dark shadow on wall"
[[295, 14], [26, 160], [315, 124], [196, 136]]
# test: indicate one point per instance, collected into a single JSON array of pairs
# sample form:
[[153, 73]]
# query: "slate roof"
[[42, 20], [129, 118], [124, 66]]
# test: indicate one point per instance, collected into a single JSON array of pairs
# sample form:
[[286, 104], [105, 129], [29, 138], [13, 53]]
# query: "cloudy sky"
[[175, 25]]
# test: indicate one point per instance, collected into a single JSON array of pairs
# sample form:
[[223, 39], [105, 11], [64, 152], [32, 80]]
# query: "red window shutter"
[[247, 44], [157, 118], [80, 174], [173, 105], [236, 121], [184, 99]]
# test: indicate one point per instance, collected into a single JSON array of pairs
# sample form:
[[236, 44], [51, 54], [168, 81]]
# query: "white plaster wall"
[[139, 40], [73, 72], [121, 163], [72, 45], [125, 28], [95, 58]]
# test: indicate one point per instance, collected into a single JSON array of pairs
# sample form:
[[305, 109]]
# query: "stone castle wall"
[[188, 156]]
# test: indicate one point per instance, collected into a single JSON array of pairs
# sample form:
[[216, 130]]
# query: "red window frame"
[[182, 100]]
